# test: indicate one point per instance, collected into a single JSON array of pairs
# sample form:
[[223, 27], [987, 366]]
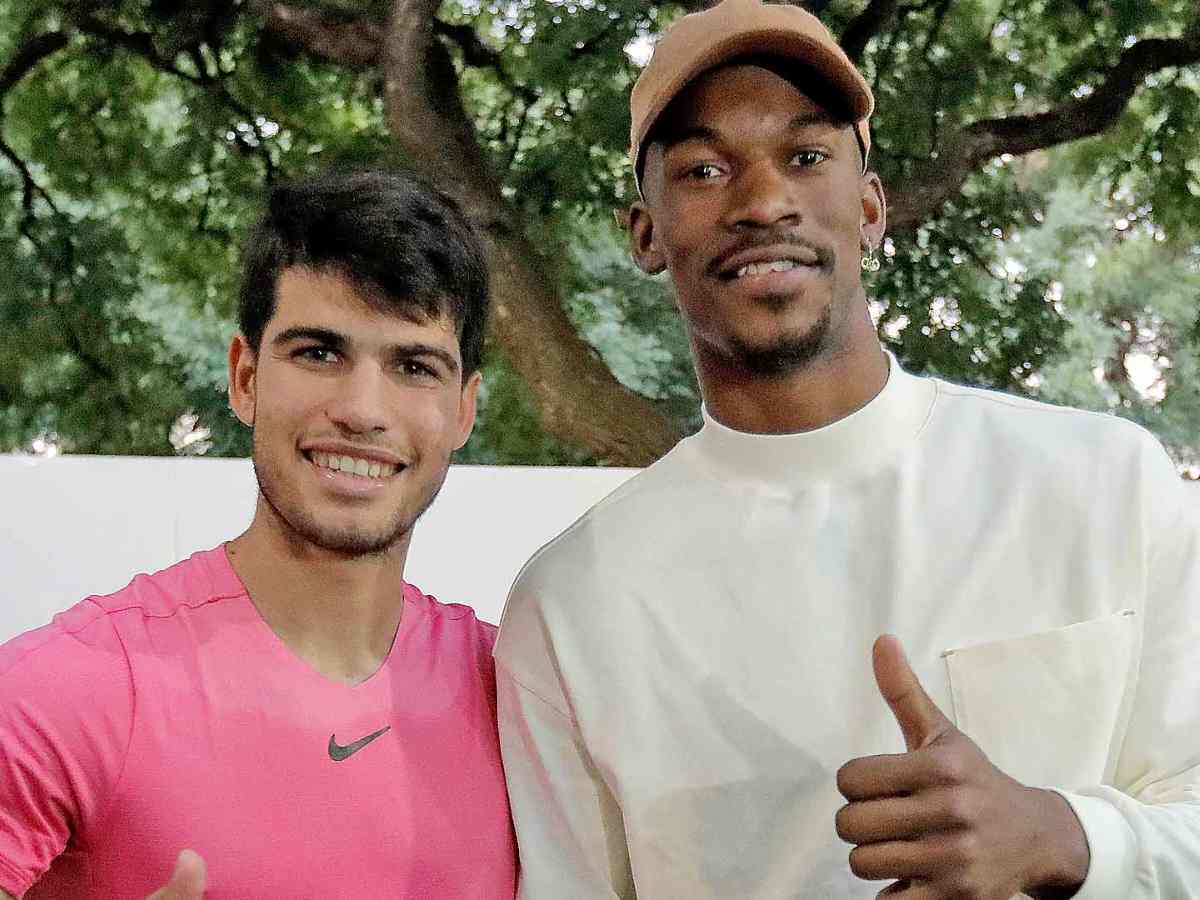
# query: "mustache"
[[776, 238]]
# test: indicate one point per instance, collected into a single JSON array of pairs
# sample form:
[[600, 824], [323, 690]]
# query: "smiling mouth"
[[759, 260], [764, 268], [353, 465]]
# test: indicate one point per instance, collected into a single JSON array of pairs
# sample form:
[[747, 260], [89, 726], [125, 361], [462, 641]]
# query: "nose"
[[764, 197], [359, 402]]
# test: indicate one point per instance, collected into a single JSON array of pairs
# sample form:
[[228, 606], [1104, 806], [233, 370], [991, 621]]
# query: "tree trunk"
[[580, 400]]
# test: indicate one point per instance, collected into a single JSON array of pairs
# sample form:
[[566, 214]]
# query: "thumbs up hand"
[[187, 881], [943, 821]]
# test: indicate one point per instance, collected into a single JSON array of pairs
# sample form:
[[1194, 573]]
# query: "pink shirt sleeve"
[[66, 711]]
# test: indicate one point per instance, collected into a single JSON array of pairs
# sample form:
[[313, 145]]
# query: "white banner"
[[80, 525]]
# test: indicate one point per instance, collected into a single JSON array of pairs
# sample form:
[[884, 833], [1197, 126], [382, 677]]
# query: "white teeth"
[[762, 268], [351, 466]]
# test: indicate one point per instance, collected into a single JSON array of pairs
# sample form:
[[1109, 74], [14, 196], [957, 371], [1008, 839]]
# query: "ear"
[[243, 386], [466, 408], [874, 211], [642, 245]]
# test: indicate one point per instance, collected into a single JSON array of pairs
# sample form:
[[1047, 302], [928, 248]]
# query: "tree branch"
[[29, 188], [356, 44], [142, 44], [935, 181], [578, 397], [27, 57], [866, 25], [476, 53]]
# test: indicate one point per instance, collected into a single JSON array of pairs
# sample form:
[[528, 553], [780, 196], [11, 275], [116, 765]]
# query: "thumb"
[[920, 720], [187, 881]]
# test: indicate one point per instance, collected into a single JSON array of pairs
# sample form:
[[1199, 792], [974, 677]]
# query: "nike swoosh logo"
[[337, 752]]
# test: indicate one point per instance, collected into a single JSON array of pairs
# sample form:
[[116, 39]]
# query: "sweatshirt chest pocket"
[[1050, 708]]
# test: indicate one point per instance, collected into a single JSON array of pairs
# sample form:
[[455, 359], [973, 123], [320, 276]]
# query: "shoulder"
[[79, 646], [1007, 421], [204, 577], [449, 621], [90, 643], [571, 578], [618, 525]]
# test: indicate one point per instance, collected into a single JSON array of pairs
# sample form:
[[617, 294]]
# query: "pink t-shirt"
[[169, 715]]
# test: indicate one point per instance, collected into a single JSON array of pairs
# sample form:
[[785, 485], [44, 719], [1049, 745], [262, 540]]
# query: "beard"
[[789, 353], [347, 542]]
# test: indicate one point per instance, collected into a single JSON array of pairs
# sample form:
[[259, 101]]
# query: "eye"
[[317, 354], [415, 369], [806, 159], [704, 172]]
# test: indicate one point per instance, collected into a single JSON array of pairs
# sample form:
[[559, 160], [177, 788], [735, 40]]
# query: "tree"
[[137, 134]]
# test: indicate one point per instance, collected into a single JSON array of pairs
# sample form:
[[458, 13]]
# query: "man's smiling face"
[[355, 409], [757, 206]]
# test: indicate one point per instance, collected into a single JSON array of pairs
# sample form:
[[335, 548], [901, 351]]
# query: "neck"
[[827, 388], [338, 613]]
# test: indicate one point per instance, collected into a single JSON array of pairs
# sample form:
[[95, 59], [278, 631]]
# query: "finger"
[[891, 859], [908, 889], [920, 720], [887, 775], [898, 818], [187, 880]]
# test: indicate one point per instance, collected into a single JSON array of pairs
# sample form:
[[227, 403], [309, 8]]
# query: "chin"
[[785, 353], [350, 542]]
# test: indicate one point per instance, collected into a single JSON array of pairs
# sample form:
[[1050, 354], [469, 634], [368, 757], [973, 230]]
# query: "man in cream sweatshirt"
[[864, 630]]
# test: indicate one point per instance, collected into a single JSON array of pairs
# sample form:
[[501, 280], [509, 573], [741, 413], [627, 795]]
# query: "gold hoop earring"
[[870, 260]]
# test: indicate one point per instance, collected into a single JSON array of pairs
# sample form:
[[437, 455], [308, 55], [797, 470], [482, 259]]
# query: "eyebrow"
[[309, 333], [339, 342], [693, 133], [704, 134]]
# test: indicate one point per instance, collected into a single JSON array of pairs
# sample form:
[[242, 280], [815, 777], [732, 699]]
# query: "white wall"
[[79, 525]]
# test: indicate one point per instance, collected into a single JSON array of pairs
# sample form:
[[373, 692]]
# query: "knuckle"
[[962, 851], [948, 766], [961, 808]]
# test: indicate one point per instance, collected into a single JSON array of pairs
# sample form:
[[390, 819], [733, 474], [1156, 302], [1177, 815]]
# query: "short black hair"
[[408, 247]]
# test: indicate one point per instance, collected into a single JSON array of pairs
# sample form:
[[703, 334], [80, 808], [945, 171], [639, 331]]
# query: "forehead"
[[322, 299]]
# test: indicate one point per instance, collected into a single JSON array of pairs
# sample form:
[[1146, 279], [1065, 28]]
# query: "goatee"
[[789, 353]]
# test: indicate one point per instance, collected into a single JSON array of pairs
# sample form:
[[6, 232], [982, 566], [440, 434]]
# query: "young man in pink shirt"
[[285, 707]]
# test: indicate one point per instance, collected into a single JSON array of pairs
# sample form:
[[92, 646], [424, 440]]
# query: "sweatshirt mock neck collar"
[[865, 438]]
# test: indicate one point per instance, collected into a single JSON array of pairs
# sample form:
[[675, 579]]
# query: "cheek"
[[689, 236], [291, 406], [431, 421]]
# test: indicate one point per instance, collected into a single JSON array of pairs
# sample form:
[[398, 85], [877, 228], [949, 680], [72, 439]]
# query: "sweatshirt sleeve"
[[1144, 829], [569, 827], [66, 708]]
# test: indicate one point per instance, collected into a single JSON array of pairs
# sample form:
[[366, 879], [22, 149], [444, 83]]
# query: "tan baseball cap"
[[733, 28]]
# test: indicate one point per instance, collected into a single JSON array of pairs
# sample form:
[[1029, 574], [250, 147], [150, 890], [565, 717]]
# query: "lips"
[[766, 260]]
